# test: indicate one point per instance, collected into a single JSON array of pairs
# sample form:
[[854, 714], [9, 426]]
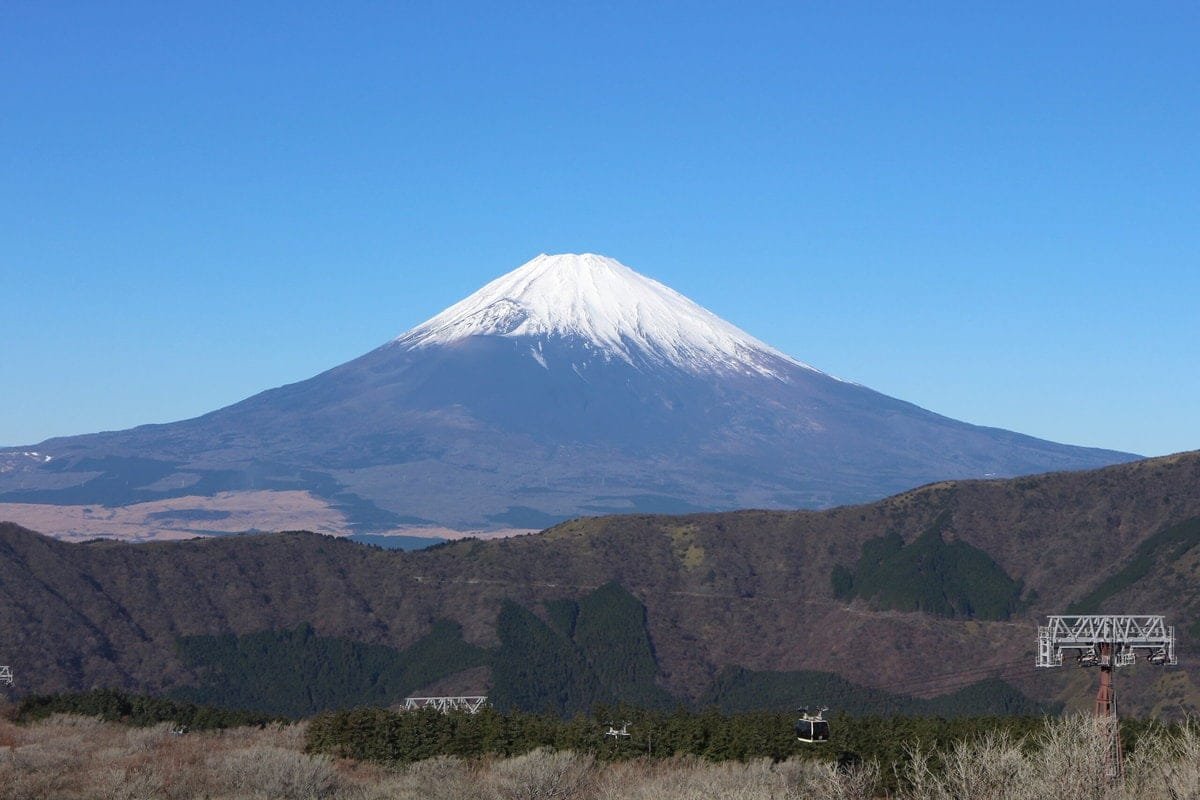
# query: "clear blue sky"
[[991, 210]]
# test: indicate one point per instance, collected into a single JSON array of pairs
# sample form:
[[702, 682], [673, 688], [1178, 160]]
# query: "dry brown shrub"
[[687, 778], [47, 760], [76, 758], [542, 775], [275, 772], [852, 782], [991, 767], [9, 732], [439, 778], [70, 758], [1066, 761], [1166, 766]]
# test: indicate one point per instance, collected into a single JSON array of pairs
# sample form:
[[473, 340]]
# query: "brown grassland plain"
[[73, 758]]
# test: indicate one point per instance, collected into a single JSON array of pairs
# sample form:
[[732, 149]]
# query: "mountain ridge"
[[748, 589]]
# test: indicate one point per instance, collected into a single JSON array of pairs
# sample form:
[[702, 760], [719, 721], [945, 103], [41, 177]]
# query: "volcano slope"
[[571, 385], [922, 593]]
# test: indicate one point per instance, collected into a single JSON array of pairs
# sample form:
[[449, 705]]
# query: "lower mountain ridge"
[[925, 601]]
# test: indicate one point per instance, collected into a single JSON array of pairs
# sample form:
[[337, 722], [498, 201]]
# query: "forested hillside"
[[923, 594]]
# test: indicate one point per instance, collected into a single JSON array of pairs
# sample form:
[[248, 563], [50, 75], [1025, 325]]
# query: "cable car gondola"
[[812, 728]]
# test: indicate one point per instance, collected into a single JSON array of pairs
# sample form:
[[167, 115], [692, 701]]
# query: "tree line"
[[375, 734], [113, 705]]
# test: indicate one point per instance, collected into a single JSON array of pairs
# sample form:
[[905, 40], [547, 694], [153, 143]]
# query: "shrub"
[[542, 775], [274, 772]]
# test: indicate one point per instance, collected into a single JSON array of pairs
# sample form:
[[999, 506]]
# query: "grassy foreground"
[[77, 758]]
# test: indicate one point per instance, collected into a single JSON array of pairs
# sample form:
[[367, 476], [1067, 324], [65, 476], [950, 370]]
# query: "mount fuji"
[[572, 385]]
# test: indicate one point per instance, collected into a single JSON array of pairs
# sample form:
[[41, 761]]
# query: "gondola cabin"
[[812, 728]]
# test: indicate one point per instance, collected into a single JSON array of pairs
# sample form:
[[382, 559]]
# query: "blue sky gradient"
[[990, 210]]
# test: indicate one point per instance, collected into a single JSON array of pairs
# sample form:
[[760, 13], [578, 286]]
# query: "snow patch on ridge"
[[602, 302]]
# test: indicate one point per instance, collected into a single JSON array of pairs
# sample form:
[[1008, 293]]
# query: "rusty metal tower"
[[1107, 641]]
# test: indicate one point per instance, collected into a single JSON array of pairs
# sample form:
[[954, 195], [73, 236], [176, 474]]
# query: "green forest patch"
[[948, 579], [738, 690], [296, 672], [1167, 545], [611, 632], [538, 669], [595, 649]]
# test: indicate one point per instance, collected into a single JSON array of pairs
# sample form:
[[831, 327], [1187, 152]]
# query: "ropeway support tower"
[[1107, 641], [470, 704]]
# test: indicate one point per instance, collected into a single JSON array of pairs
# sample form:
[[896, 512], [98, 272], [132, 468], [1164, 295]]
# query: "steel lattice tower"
[[1107, 641], [471, 704]]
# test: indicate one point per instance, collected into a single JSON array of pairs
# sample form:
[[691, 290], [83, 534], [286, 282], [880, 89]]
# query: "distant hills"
[[931, 592], [572, 385]]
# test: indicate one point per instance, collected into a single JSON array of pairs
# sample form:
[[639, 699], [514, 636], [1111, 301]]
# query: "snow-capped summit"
[[604, 304]]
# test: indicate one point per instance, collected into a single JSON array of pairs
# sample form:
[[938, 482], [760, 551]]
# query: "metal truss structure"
[[470, 704], [615, 732], [1124, 634], [1107, 641]]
